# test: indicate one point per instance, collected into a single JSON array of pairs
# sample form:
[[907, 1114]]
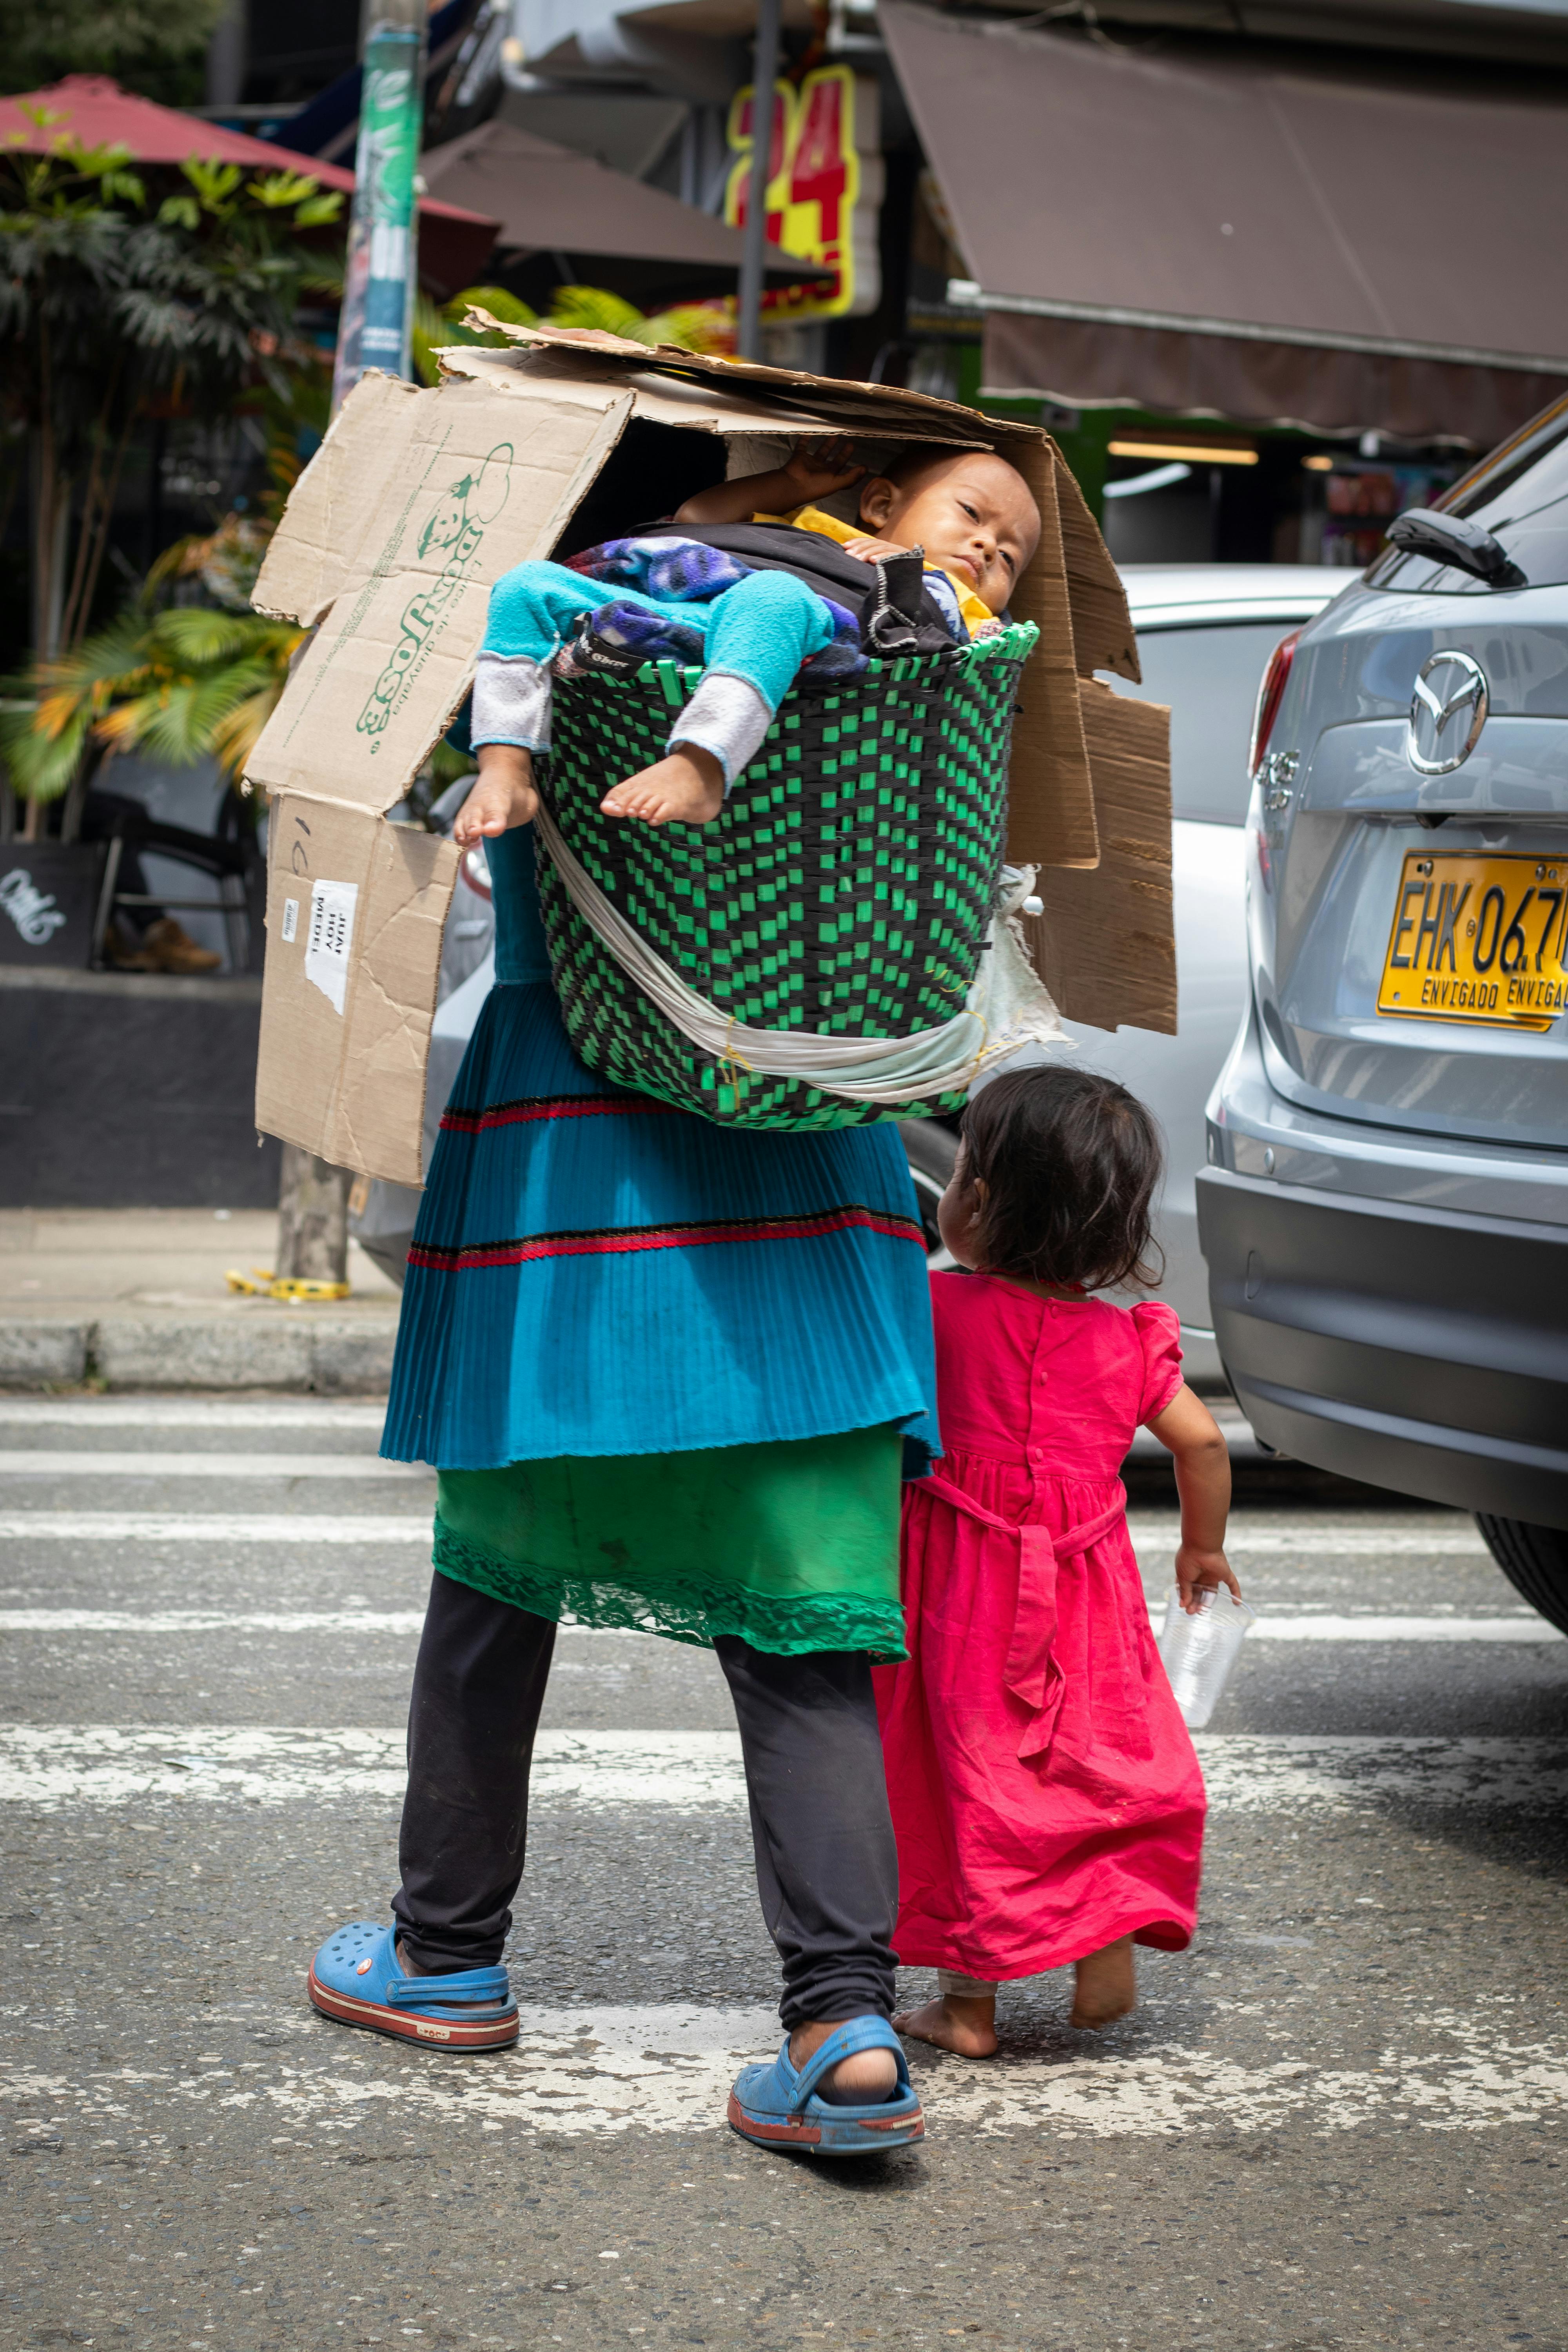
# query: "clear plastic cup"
[[1199, 1652]]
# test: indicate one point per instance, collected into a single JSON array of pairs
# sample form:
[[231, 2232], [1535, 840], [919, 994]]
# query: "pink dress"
[[1045, 1792]]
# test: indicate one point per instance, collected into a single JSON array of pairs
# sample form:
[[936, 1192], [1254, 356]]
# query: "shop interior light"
[[1319, 465], [1192, 453], [1161, 479]]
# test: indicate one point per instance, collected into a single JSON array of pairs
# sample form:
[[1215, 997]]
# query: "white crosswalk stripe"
[[227, 1528], [1153, 1540], [1524, 1627], [666, 2068], [191, 1413], [50, 1765], [19, 1462]]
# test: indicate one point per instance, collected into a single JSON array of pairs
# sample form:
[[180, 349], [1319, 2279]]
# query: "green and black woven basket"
[[846, 888]]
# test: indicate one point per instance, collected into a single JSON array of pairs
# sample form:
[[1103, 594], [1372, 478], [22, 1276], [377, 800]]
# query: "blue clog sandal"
[[355, 1978], [778, 2108]]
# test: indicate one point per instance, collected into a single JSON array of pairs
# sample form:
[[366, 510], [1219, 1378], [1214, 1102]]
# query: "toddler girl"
[[1046, 1799]]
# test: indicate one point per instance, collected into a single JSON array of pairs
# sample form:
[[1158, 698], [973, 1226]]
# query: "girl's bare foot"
[[1105, 1986], [687, 788], [503, 796], [963, 2022]]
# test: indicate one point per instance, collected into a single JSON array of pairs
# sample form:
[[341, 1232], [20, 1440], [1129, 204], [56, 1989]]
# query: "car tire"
[[1534, 1560]]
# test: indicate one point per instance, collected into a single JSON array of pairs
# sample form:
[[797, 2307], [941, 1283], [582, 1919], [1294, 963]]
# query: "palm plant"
[[116, 303], [184, 684]]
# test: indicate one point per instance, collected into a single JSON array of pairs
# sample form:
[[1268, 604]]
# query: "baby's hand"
[[1198, 1572], [871, 551], [503, 796], [817, 468]]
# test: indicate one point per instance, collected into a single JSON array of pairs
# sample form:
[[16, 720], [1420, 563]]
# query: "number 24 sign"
[[813, 182]]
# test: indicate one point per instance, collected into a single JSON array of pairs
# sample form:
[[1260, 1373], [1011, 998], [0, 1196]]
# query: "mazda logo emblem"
[[1447, 711]]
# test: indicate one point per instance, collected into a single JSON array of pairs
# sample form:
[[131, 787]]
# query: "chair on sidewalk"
[[229, 854]]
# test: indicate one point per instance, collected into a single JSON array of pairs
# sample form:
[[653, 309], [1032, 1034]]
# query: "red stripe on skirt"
[[617, 1242], [529, 1107]]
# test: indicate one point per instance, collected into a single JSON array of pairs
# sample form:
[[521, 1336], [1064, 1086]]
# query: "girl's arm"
[[816, 469], [1189, 1431]]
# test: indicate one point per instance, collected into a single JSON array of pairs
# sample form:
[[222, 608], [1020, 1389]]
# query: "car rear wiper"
[[1449, 538]]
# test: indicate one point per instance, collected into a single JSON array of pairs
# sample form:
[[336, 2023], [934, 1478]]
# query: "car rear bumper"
[[1420, 1350]]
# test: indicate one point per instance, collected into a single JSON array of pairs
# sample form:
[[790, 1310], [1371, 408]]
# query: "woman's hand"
[[1199, 1571], [816, 469]]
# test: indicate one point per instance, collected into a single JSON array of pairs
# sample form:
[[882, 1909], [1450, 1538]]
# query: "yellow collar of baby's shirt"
[[817, 519]]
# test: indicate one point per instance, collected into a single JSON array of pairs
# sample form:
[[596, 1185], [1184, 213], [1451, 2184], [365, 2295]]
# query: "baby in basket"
[[699, 600]]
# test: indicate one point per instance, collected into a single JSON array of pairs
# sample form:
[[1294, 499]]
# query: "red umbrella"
[[454, 245]]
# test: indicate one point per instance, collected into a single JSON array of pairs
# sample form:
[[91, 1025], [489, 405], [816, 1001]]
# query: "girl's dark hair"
[[1069, 1163]]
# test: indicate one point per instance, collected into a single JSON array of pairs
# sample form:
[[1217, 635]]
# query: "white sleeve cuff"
[[512, 696], [728, 716]]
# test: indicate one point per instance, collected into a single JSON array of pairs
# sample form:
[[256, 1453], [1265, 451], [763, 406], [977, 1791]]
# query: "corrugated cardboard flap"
[[416, 503], [1105, 946]]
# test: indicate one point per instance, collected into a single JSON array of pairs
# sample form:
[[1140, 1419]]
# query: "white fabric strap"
[[1006, 1008], [726, 716], [513, 697]]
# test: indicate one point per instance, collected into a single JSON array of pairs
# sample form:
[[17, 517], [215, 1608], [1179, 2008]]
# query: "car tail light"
[[1270, 695], [474, 868]]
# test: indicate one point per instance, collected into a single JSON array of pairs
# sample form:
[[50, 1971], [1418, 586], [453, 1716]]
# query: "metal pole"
[[749, 334], [378, 317]]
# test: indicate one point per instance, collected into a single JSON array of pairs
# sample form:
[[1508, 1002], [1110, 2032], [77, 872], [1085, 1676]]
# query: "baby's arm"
[[816, 469], [1190, 1433]]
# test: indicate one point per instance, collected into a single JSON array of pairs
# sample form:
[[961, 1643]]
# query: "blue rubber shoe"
[[778, 2108], [355, 1978]]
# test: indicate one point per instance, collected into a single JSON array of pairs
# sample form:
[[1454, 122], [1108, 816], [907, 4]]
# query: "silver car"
[[1385, 1207], [1205, 636]]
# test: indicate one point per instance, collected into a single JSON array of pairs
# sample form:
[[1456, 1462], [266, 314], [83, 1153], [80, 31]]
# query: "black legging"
[[826, 1864]]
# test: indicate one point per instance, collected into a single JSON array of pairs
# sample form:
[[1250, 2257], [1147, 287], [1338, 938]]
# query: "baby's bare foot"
[[1105, 1985], [965, 2023], [687, 788], [504, 796]]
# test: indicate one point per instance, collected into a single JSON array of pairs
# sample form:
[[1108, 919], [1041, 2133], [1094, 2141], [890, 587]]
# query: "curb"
[[331, 1358]]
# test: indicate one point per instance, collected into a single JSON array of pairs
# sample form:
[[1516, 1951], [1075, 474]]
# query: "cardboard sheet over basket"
[[419, 500]]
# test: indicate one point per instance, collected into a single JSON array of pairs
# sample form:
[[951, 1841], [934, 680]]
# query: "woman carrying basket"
[[671, 1374]]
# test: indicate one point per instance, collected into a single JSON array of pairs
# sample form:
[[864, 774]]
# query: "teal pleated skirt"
[[626, 1333]]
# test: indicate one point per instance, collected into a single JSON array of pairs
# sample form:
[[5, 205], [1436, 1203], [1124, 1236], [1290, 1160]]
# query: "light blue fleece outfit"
[[754, 637]]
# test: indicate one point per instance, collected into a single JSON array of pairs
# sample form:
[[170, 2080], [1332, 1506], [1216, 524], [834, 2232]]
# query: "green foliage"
[[179, 685], [155, 47], [116, 303], [689, 326], [433, 329]]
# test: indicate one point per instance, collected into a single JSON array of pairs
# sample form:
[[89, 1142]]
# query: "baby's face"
[[972, 515]]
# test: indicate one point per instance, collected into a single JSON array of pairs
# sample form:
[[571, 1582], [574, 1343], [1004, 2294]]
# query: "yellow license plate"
[[1478, 938]]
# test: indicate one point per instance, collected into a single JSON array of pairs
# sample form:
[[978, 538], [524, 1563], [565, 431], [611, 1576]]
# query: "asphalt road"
[[1337, 2120]]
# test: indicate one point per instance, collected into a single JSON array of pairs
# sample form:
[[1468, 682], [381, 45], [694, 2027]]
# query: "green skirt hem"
[[787, 1625]]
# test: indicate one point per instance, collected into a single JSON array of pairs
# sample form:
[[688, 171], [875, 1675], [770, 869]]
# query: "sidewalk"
[[135, 1299]]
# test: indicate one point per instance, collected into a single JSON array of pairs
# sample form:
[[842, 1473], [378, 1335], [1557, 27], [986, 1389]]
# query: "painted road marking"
[[17, 1462], [668, 2068], [50, 1765], [1153, 1540], [1452, 1536], [229, 1528], [1276, 1626], [214, 1621], [189, 1413]]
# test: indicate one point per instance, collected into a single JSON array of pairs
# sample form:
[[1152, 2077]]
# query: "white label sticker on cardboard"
[[290, 918], [332, 932]]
